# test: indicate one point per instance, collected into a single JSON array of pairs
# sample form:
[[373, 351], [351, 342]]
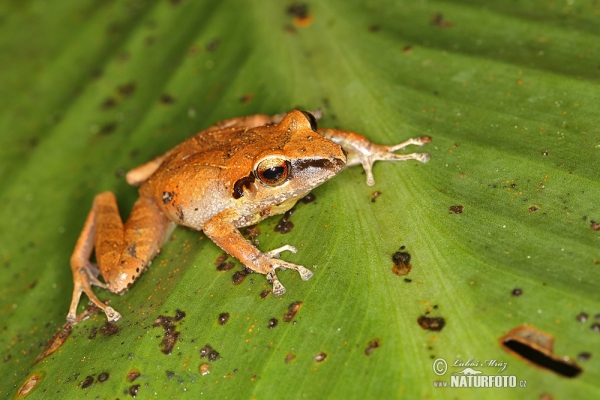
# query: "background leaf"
[[508, 91]]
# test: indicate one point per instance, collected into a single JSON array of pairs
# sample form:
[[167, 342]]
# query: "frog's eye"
[[311, 118], [273, 171]]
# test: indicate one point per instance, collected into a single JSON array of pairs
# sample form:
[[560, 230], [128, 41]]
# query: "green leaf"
[[508, 92]]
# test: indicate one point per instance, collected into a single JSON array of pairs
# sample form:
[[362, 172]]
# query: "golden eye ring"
[[273, 171]]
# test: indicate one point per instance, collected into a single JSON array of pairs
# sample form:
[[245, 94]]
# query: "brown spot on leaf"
[[171, 335], [439, 21], [516, 292], [375, 195], [208, 352], [582, 317], [55, 342], [239, 276], [223, 318], [30, 383], [225, 266], [272, 323], [373, 344], [456, 209], [87, 382], [109, 329], [595, 226], [292, 310], [285, 225], [402, 264], [289, 357], [264, 294], [533, 208], [204, 368], [167, 99], [309, 198], [435, 324], [246, 98], [103, 377], [133, 375], [320, 357], [133, 390], [537, 348]]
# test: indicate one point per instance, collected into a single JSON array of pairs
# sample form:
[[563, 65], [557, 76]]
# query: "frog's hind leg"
[[122, 250]]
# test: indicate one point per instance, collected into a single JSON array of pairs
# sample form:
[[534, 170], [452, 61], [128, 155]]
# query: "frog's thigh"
[[124, 251], [119, 249]]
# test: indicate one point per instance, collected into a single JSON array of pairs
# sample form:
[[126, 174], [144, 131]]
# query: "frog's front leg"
[[361, 151], [122, 250], [221, 230]]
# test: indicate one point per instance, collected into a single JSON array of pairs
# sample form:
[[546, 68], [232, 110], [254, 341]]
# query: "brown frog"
[[231, 175]]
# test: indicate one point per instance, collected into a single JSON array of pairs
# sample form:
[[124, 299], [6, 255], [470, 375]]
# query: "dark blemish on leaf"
[[595, 327], [87, 382], [108, 103], [30, 383], [210, 353], [289, 357], [374, 28], [402, 264], [272, 323], [533, 208], [537, 348], [225, 266], [375, 195], [292, 310], [434, 324], [373, 344], [582, 317], [439, 21], [285, 225], [132, 375], [109, 329], [595, 226], [238, 187], [223, 318], [167, 99], [55, 342], [264, 294], [108, 128], [170, 374], [171, 335], [309, 198], [252, 232], [133, 390], [103, 377], [93, 333], [456, 209], [407, 49], [239, 276], [516, 292], [7, 358], [298, 10], [221, 258], [407, 280], [179, 315], [213, 45], [584, 356], [245, 99], [545, 153], [320, 357], [167, 197], [126, 89]]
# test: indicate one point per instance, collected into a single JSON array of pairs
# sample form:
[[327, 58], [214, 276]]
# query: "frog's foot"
[[83, 279], [278, 288], [374, 152]]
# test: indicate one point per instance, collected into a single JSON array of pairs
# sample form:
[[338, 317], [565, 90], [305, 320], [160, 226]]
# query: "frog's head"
[[301, 160]]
